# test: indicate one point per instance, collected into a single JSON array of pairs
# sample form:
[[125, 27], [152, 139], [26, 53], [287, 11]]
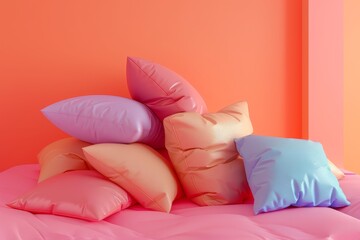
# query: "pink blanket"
[[185, 221]]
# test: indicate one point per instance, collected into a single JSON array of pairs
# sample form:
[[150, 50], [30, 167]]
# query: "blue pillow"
[[285, 172]]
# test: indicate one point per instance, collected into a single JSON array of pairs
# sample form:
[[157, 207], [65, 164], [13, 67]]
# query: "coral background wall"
[[229, 50], [351, 84]]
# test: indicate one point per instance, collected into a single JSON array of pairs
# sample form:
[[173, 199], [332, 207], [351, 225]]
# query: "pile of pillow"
[[162, 144]]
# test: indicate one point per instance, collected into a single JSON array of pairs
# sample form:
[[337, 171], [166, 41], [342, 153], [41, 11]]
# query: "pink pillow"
[[83, 194], [138, 169], [161, 89], [61, 156], [203, 152], [105, 119]]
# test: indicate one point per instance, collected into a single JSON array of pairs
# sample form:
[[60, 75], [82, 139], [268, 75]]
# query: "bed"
[[160, 166], [185, 221]]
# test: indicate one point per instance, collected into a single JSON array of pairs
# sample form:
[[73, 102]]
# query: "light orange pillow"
[[61, 156], [203, 152], [138, 169], [335, 170]]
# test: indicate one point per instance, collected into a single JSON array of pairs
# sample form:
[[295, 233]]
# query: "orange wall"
[[229, 50], [352, 84]]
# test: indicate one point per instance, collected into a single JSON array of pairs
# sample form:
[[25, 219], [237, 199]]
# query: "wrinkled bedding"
[[185, 221]]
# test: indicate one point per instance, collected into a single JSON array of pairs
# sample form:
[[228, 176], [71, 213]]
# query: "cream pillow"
[[203, 152]]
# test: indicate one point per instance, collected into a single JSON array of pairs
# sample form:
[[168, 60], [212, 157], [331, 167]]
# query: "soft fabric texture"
[[83, 194], [202, 150], [350, 184], [285, 172], [185, 222], [61, 156], [106, 119], [162, 90], [336, 171], [137, 168]]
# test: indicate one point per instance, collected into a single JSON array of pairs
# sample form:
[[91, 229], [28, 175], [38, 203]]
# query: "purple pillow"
[[106, 119]]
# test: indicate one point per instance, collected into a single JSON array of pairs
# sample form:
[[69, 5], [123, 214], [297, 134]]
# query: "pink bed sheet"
[[186, 221], [351, 187]]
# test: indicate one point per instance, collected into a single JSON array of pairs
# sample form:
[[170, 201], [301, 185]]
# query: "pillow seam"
[[152, 79]]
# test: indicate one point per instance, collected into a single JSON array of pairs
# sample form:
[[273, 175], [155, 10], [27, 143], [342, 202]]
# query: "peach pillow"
[[335, 170], [203, 152], [162, 90], [137, 168], [83, 194], [61, 156]]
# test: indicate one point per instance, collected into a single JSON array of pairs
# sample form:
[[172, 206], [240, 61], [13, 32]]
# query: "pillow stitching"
[[151, 77], [141, 190]]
